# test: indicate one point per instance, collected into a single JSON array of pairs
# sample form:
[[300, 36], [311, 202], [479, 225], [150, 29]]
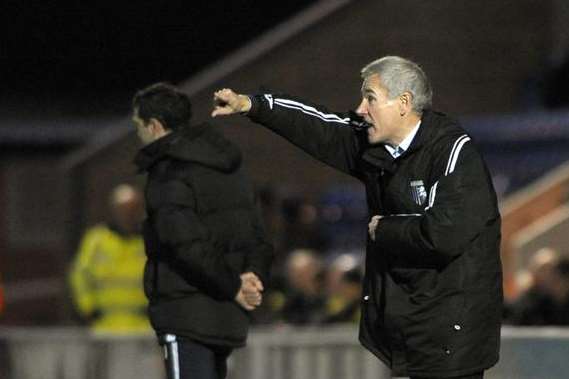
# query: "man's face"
[[380, 112], [143, 130]]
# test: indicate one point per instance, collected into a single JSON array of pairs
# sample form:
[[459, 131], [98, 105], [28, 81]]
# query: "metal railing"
[[275, 353]]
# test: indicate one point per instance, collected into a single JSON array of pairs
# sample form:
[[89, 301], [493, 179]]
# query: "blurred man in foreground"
[[432, 292], [106, 276], [207, 253]]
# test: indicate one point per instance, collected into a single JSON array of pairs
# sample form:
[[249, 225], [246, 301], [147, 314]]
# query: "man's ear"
[[405, 103], [155, 125]]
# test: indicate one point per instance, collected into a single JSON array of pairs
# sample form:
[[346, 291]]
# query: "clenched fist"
[[227, 102]]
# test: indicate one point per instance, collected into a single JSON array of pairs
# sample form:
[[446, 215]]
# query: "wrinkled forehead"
[[372, 84]]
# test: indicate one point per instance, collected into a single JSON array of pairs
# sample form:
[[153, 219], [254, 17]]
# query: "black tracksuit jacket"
[[202, 231], [433, 285]]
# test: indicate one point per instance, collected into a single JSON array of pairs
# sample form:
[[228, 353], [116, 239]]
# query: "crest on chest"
[[418, 192]]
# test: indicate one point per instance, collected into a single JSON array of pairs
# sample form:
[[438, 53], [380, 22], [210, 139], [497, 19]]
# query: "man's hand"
[[372, 226], [249, 295], [227, 102], [253, 280]]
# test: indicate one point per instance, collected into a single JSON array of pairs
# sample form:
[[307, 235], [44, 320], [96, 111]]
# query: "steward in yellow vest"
[[106, 276]]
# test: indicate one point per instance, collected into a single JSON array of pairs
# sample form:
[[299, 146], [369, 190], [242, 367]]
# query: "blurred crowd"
[[316, 277], [544, 295], [319, 246]]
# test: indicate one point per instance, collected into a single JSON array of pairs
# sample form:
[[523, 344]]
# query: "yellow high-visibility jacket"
[[106, 281]]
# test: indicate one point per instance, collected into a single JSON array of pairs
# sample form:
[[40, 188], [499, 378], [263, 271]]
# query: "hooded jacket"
[[202, 231], [432, 297]]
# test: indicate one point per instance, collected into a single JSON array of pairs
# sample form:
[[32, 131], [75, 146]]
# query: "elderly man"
[[432, 293]]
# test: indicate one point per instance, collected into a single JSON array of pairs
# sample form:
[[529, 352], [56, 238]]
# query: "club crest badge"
[[418, 192]]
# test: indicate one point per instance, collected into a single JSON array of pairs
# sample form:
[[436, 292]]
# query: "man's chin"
[[373, 140]]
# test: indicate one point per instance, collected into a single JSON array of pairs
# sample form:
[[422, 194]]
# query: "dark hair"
[[165, 103]]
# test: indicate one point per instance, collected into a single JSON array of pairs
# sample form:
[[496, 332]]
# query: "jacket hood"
[[200, 144]]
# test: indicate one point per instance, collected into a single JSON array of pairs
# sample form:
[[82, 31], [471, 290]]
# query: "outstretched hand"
[[227, 102]]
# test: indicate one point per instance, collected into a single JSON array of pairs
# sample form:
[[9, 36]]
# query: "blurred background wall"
[[67, 140]]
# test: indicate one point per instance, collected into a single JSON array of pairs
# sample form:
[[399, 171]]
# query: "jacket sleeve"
[[189, 242], [461, 203], [327, 136]]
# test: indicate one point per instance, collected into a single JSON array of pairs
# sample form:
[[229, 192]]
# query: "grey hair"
[[399, 75]]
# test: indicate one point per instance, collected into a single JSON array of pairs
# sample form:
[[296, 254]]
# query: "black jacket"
[[433, 286], [202, 231]]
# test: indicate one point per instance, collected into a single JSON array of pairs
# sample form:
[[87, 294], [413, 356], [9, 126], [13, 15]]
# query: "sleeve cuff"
[[255, 104]]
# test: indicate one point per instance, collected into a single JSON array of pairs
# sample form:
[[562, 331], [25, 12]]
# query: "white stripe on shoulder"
[[455, 152], [328, 117]]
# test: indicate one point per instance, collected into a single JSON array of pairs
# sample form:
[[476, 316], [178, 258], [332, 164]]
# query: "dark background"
[[80, 59]]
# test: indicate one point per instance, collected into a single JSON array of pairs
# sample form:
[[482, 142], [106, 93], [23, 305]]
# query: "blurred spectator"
[[303, 301], [545, 300], [334, 275], [344, 289], [106, 275], [302, 225]]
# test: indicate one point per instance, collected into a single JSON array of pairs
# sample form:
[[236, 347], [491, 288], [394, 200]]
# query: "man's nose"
[[362, 109]]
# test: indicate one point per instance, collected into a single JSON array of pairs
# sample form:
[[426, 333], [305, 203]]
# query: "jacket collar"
[[378, 156]]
